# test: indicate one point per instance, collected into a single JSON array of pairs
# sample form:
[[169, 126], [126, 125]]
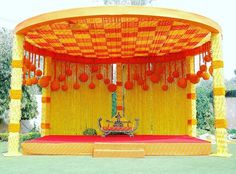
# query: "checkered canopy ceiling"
[[118, 36]]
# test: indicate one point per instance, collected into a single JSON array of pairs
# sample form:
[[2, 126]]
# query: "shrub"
[[90, 131], [23, 137]]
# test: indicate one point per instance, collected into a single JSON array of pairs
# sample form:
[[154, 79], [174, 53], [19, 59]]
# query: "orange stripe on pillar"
[[46, 99], [119, 107], [45, 125], [218, 64], [15, 94], [219, 91], [14, 127], [220, 123], [16, 63], [192, 122], [119, 83]]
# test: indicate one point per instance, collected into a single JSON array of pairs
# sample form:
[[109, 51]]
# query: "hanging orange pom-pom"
[[129, 85], [199, 74], [106, 81], [194, 78], [136, 76], [83, 77], [99, 76], [43, 82], [94, 68], [38, 72], [76, 85], [111, 87], [203, 68], [55, 85], [64, 87], [32, 67], [91, 85], [207, 58], [68, 72], [34, 80], [164, 87], [62, 77], [155, 78], [27, 63], [28, 82], [211, 70], [175, 74], [149, 72], [206, 76], [170, 79], [182, 83], [160, 70], [140, 81], [145, 87]]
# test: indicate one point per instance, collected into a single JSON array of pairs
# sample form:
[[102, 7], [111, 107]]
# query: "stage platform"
[[117, 146]]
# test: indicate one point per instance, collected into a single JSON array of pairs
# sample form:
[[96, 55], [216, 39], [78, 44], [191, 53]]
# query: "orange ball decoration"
[[83, 77], [112, 87], [164, 87], [76, 85], [94, 68], [43, 82], [203, 68], [129, 85], [136, 76], [34, 80], [175, 74], [199, 74], [194, 78], [64, 87], [211, 70], [145, 87], [55, 85], [206, 76], [62, 77], [68, 72], [99, 76], [91, 85], [170, 79], [207, 58], [155, 78], [106, 81], [28, 82], [182, 83], [27, 63], [140, 81], [38, 72], [32, 67], [149, 72]]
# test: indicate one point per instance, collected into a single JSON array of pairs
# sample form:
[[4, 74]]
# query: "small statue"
[[118, 122]]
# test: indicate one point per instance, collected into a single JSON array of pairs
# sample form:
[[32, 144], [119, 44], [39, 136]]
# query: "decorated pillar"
[[219, 96], [119, 90], [46, 99], [15, 95], [191, 97]]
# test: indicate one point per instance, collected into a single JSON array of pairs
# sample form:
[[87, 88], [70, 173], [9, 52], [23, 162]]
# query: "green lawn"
[[80, 165]]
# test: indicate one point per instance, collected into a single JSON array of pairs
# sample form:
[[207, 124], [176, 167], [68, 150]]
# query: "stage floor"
[[117, 146]]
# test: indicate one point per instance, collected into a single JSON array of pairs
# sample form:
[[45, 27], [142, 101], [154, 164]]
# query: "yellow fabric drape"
[[73, 111], [159, 112]]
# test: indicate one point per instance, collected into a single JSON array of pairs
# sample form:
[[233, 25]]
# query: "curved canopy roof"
[[117, 32]]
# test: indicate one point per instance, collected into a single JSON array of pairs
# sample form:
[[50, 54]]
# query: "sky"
[[222, 11]]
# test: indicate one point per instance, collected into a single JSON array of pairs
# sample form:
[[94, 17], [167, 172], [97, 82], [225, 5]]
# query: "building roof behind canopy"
[[117, 32]]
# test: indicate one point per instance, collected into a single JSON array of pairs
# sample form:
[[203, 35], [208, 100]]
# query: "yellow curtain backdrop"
[[159, 112], [73, 111]]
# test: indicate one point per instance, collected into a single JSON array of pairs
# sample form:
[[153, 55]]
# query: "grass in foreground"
[[89, 165]]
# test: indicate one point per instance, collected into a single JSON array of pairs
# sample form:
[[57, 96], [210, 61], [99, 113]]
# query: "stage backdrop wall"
[[159, 112], [73, 111]]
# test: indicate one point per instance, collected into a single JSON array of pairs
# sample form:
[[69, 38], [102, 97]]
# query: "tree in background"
[[205, 116], [127, 2], [29, 105]]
